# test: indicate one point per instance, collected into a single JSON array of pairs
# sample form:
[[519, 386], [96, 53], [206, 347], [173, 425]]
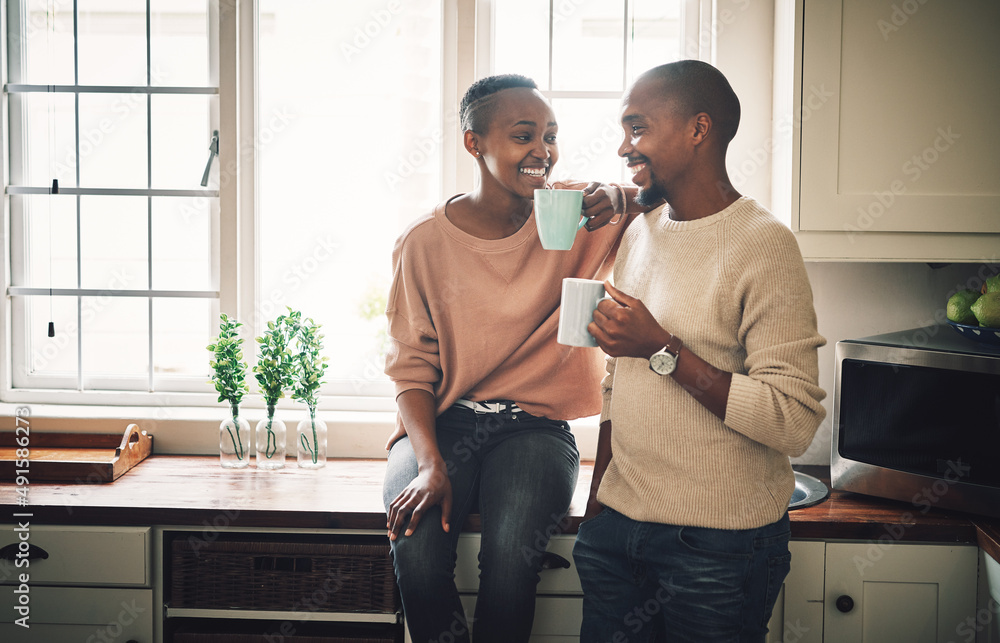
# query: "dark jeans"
[[695, 584], [519, 472]]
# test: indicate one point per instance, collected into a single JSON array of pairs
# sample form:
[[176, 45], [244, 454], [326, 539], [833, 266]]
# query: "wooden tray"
[[75, 457]]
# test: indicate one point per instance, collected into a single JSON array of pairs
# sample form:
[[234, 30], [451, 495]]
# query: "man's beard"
[[652, 196]]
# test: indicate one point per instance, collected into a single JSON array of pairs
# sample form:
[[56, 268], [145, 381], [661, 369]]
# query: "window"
[[349, 144], [111, 108], [337, 128], [583, 55]]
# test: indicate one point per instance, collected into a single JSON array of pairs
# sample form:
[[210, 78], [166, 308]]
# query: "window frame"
[[16, 380], [187, 422]]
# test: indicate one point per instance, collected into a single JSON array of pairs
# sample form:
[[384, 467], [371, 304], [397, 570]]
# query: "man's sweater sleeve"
[[776, 401]]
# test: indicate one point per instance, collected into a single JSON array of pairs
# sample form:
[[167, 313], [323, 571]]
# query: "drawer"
[[556, 618], [75, 615], [256, 572], [92, 556], [262, 631], [553, 581]]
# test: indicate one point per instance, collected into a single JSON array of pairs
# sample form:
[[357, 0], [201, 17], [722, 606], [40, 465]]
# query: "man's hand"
[[593, 508], [429, 488], [601, 202], [624, 327]]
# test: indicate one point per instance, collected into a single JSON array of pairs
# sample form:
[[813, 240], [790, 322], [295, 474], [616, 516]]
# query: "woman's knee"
[[424, 554]]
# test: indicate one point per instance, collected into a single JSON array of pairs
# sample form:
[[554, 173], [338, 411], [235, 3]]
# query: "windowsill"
[[194, 430]]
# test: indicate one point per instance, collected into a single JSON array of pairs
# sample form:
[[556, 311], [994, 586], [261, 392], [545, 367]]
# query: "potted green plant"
[[274, 373], [230, 381], [309, 368]]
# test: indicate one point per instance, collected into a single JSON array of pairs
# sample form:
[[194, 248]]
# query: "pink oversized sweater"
[[477, 318]]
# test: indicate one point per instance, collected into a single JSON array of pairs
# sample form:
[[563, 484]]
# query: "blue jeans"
[[690, 583], [519, 472]]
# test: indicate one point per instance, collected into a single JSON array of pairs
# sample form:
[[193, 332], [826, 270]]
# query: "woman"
[[483, 389]]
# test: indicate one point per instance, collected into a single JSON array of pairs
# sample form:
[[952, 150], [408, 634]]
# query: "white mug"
[[579, 299]]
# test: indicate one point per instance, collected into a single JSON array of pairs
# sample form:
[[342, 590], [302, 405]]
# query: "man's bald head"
[[692, 86]]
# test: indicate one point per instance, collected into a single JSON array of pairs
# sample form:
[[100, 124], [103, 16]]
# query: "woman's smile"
[[535, 175]]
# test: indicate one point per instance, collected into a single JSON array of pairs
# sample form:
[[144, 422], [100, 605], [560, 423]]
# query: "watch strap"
[[674, 345]]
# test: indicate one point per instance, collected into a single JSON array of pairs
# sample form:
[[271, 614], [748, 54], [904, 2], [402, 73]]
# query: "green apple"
[[960, 307]]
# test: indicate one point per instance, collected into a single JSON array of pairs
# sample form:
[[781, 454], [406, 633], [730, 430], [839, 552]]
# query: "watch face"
[[663, 363]]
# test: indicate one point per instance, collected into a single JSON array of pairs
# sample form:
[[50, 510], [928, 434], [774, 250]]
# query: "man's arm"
[[624, 327]]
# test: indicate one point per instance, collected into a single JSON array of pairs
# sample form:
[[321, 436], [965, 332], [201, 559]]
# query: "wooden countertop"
[[347, 494]]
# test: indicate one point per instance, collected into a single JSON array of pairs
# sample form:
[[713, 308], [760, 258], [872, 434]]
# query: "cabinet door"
[[898, 593], [557, 619], [899, 126], [798, 612], [554, 580], [986, 626]]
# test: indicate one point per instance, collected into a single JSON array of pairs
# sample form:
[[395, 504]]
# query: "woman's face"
[[519, 149]]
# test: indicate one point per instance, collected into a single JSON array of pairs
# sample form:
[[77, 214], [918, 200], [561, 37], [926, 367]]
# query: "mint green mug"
[[558, 217]]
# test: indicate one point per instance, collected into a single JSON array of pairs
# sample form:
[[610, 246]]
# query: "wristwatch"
[[664, 361]]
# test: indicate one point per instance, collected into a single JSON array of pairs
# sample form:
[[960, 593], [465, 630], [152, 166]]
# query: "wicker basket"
[[326, 633], [195, 637], [347, 575]]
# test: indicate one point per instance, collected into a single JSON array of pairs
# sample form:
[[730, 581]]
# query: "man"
[[692, 478]]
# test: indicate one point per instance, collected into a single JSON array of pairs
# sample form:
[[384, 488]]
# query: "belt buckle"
[[490, 407]]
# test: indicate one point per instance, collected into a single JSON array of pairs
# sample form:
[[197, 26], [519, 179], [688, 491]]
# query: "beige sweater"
[[477, 318], [734, 288]]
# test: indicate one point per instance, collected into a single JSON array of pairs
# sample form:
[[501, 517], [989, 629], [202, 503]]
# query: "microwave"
[[916, 418]]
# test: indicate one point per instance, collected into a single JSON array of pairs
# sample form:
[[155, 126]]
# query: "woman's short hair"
[[477, 108]]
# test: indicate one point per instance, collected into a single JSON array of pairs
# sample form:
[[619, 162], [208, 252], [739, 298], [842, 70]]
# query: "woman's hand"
[[601, 203], [430, 487]]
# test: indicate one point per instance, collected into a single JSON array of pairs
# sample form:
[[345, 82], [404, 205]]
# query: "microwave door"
[[901, 426]]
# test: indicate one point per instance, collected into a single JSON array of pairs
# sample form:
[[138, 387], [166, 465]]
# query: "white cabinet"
[[876, 592], [985, 627], [898, 593], [905, 593], [895, 128], [79, 584], [798, 612], [559, 602]]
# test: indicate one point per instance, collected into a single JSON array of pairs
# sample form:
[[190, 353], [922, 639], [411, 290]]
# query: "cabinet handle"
[[845, 603], [554, 561], [34, 552]]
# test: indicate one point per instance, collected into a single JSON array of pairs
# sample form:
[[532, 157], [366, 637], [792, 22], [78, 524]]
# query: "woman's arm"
[[431, 486], [604, 202]]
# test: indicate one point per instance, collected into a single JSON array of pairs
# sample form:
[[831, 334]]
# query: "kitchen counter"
[[347, 494]]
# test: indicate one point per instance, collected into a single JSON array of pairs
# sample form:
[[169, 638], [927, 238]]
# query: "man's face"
[[655, 146]]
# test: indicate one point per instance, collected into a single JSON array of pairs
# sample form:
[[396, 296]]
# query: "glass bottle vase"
[[311, 443], [234, 442], [270, 442]]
